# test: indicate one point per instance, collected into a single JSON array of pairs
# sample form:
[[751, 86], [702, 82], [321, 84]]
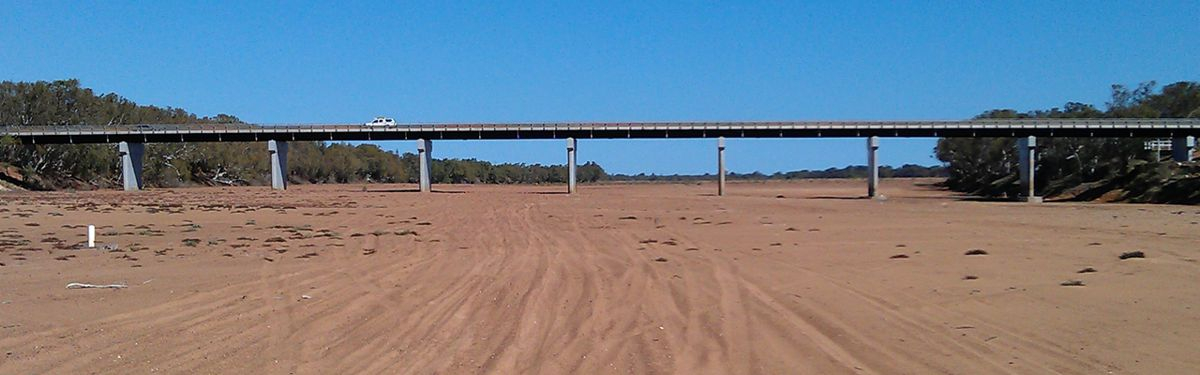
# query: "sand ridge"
[[799, 277]]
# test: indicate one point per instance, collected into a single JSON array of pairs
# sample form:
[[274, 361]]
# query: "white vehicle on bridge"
[[382, 121]]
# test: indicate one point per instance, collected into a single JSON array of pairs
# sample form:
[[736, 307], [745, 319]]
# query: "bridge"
[[132, 138]]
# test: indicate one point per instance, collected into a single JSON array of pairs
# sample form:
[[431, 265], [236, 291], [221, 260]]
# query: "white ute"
[[382, 121]]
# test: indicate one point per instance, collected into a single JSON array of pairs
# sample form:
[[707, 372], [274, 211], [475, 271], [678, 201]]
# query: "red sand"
[[775, 278]]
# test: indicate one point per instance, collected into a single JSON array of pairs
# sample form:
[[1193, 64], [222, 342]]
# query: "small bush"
[[1132, 254]]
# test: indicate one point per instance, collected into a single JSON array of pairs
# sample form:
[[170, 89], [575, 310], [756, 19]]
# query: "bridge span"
[[131, 138]]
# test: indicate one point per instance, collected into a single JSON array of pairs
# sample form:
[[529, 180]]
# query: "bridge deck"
[[604, 130]]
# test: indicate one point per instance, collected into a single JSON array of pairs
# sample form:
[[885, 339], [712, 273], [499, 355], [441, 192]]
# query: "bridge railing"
[[1016, 124]]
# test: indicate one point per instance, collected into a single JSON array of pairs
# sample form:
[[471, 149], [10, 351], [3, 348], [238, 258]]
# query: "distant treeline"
[[318, 162], [174, 164], [1084, 168], [853, 171]]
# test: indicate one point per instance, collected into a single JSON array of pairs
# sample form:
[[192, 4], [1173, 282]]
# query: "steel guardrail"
[[51, 134]]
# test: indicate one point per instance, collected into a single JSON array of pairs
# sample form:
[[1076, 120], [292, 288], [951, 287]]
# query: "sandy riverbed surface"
[[777, 278]]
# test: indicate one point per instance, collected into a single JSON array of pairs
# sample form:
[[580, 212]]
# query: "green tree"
[[987, 166]]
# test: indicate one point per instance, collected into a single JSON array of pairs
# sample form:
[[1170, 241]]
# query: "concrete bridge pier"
[[131, 164], [720, 166], [424, 155], [278, 151], [1027, 165], [872, 167], [1182, 147], [571, 144]]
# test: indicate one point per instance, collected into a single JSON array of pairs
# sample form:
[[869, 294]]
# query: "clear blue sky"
[[443, 61]]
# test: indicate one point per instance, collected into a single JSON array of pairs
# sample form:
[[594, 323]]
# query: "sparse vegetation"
[[850, 171]]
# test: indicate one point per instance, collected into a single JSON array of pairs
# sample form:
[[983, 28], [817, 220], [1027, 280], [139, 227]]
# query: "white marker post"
[[91, 236]]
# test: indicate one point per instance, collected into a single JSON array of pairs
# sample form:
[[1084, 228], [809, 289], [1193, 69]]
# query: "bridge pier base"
[[872, 167], [1182, 147], [425, 158], [571, 145], [1027, 166], [278, 151], [720, 166], [131, 164]]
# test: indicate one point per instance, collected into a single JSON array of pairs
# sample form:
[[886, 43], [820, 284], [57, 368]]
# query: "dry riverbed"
[[799, 277]]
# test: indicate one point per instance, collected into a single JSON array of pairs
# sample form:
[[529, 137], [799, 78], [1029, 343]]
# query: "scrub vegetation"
[[1111, 169]]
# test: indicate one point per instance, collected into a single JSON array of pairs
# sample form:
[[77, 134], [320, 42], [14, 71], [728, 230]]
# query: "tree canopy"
[[1083, 168]]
